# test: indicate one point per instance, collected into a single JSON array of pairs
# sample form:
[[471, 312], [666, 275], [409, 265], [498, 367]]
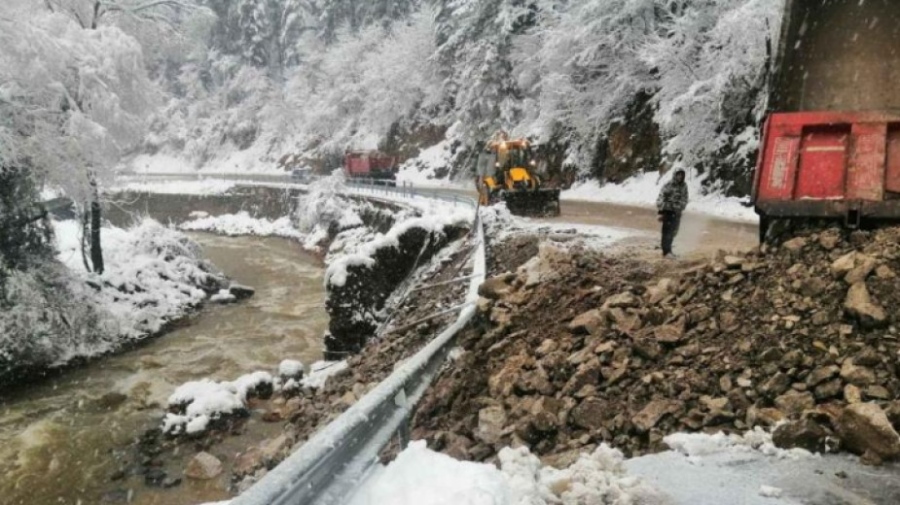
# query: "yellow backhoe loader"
[[507, 172]]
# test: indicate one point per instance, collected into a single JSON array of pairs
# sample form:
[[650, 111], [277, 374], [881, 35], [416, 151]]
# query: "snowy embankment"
[[153, 275], [684, 475], [642, 190]]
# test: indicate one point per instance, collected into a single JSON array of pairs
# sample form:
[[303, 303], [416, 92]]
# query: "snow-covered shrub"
[[47, 318], [53, 311]]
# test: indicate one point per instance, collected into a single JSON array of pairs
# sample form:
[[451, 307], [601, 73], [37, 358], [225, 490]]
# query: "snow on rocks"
[[321, 371], [291, 369], [361, 281], [364, 255], [194, 405], [197, 405]]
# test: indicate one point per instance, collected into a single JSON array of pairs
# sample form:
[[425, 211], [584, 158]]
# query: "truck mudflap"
[[541, 202]]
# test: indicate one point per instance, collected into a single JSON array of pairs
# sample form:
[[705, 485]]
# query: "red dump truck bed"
[[829, 165], [369, 164]]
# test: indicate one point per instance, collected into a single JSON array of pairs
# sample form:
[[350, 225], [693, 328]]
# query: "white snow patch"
[[770, 492], [179, 187], [642, 190], [320, 372], [290, 368], [243, 224], [223, 296], [698, 445], [422, 477], [156, 273], [206, 400], [161, 164]]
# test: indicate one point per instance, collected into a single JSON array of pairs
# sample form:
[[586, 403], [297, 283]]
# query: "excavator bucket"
[[540, 202]]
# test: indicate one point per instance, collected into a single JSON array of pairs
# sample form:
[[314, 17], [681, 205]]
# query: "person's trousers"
[[670, 223]]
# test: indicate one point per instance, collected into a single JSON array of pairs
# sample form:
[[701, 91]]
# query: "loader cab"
[[516, 161]]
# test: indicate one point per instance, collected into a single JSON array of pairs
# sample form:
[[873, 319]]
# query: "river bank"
[[70, 438]]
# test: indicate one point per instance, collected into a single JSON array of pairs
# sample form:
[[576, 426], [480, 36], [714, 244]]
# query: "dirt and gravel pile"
[[574, 350]]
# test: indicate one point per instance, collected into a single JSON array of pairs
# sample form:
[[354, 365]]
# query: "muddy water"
[[62, 441]]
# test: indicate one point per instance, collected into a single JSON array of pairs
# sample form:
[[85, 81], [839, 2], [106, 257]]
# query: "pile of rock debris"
[[575, 350]]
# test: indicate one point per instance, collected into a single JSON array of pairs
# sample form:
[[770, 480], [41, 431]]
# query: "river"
[[63, 440]]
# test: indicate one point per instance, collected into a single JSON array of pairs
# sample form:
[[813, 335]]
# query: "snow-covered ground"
[[228, 162], [243, 223], [698, 470], [642, 190], [211, 186], [502, 225], [153, 273], [422, 477], [423, 170]]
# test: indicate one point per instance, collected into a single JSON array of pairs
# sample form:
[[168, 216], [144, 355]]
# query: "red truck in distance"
[[371, 165]]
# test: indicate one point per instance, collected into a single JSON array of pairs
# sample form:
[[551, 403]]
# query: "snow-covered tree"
[[711, 64], [476, 40], [74, 100], [584, 68]]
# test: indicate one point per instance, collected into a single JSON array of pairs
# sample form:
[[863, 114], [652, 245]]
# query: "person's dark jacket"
[[673, 197]]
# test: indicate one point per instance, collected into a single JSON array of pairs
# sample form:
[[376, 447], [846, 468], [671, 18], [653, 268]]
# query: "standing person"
[[672, 200]]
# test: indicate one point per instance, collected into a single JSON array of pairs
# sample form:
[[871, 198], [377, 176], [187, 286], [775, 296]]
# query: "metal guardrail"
[[328, 468]]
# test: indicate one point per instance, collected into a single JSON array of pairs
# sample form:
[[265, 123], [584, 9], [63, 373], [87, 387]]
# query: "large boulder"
[[865, 428], [203, 466], [653, 412], [803, 434], [793, 403], [860, 306], [491, 421], [590, 322]]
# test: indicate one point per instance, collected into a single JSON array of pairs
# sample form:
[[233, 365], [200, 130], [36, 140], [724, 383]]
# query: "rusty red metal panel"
[[823, 161], [866, 168], [779, 169], [892, 175]]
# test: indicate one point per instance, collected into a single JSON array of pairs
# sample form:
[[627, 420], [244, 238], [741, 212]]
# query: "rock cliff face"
[[355, 305]]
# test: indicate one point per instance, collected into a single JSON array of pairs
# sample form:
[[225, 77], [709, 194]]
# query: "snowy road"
[[702, 234]]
